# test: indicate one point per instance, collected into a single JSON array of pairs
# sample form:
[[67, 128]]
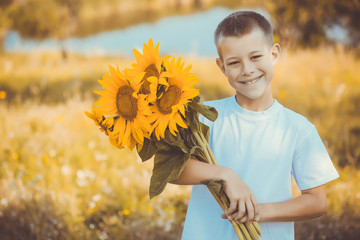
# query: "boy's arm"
[[195, 172], [310, 204], [243, 205]]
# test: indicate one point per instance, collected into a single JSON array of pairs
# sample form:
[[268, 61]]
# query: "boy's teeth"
[[249, 83]]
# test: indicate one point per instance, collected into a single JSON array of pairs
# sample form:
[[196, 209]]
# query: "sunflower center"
[[126, 104], [151, 71], [170, 98]]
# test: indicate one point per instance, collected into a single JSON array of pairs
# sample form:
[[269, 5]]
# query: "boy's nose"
[[248, 69]]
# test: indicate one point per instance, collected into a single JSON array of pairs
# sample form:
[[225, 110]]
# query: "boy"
[[258, 143]]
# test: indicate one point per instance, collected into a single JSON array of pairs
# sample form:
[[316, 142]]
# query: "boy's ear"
[[220, 64], [275, 53]]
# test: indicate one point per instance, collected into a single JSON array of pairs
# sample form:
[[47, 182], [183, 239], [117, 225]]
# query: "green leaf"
[[205, 131], [148, 150], [176, 141], [198, 153], [191, 117], [173, 152], [195, 149], [207, 111], [217, 186], [196, 99], [188, 137], [168, 165]]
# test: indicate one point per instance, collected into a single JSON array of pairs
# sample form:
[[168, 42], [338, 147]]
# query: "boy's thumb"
[[224, 216]]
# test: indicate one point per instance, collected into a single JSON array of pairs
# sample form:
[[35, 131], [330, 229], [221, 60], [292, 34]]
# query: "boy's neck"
[[256, 105]]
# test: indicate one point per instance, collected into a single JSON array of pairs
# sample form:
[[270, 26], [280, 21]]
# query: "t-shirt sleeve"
[[312, 165]]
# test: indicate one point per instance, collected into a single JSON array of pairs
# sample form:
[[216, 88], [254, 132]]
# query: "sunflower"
[[100, 120], [149, 62], [120, 100], [169, 108]]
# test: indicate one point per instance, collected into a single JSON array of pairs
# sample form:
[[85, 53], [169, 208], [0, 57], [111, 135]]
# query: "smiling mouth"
[[251, 81]]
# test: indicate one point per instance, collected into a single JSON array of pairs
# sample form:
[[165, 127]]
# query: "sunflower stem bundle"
[[154, 108], [244, 231]]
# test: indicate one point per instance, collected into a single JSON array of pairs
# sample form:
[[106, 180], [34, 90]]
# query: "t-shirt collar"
[[254, 114]]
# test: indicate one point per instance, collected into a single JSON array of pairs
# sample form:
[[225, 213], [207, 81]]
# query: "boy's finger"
[[241, 211], [231, 209], [243, 219], [256, 205], [224, 216], [250, 210]]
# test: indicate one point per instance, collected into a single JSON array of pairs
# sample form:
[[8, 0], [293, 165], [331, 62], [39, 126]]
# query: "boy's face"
[[247, 62]]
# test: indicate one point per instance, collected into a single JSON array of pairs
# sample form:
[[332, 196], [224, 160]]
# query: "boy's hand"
[[243, 205]]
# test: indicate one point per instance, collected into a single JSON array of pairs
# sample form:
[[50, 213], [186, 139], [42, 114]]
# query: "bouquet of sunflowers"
[[155, 108]]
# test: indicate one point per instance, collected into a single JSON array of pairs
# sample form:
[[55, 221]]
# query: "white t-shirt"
[[265, 149]]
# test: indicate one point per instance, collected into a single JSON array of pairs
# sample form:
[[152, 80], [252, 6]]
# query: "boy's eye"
[[233, 63], [255, 57]]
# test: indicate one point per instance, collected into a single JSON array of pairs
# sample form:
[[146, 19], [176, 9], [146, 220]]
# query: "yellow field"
[[57, 170]]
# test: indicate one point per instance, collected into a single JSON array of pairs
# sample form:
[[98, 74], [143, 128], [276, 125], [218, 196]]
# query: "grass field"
[[61, 179]]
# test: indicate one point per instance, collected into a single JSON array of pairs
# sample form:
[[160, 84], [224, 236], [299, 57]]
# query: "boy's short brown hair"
[[242, 22]]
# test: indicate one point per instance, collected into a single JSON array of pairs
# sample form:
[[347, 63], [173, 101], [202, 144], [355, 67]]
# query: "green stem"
[[208, 148], [211, 159], [203, 146], [224, 207]]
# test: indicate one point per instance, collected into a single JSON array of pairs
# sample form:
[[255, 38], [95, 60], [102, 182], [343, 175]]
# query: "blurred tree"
[[347, 15], [294, 22], [37, 19], [4, 21], [305, 22], [73, 7]]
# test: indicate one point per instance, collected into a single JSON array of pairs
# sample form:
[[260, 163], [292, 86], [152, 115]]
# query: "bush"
[[33, 219]]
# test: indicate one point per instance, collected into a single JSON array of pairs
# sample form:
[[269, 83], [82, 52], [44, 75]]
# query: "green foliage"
[[168, 165], [98, 190], [294, 20], [5, 3], [113, 222], [304, 23], [54, 150], [207, 111], [172, 152], [36, 19], [342, 220], [330, 227], [148, 150], [33, 219], [217, 186]]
